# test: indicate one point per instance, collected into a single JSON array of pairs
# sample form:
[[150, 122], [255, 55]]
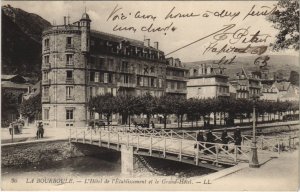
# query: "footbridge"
[[180, 146]]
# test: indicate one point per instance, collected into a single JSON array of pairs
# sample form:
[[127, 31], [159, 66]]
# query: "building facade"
[[176, 78], [207, 81], [79, 63], [246, 85]]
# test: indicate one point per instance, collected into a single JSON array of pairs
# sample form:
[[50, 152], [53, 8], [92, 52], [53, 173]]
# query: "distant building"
[[207, 81], [269, 92], [79, 63], [12, 89], [246, 85], [176, 77], [287, 91]]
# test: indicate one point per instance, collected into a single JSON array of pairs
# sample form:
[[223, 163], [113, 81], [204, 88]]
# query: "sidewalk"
[[29, 134], [278, 174]]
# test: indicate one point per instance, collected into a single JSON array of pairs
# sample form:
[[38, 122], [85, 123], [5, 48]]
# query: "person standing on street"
[[237, 139], [225, 139], [210, 138]]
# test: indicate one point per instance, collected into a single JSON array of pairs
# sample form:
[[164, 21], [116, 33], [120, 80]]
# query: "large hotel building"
[[79, 63]]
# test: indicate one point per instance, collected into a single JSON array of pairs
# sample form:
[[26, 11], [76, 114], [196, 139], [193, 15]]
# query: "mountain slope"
[[21, 42]]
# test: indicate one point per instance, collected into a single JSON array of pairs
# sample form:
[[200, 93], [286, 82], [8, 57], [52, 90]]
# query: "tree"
[[147, 105], [127, 105], [286, 20], [179, 108], [294, 78], [164, 107], [31, 107], [103, 104]]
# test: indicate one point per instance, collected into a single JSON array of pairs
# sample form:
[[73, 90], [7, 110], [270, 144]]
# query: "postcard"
[[150, 95]]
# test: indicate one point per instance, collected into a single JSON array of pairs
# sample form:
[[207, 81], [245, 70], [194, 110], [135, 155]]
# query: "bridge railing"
[[167, 142]]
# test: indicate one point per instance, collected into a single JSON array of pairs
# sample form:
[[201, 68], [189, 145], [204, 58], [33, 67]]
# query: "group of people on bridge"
[[211, 138]]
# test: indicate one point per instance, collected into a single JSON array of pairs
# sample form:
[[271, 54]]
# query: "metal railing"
[[183, 145]]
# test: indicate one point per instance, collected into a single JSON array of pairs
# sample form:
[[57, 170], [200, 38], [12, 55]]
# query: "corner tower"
[[65, 55]]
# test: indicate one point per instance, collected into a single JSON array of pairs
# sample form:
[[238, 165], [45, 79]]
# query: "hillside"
[[282, 65], [21, 42]]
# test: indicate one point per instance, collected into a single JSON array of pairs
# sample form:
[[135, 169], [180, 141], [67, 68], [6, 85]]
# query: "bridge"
[[180, 146]]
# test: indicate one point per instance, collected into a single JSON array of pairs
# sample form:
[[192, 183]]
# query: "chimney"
[[65, 20], [156, 44], [147, 42]]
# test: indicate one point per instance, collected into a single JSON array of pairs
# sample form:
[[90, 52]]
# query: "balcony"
[[176, 78], [46, 66], [46, 82], [70, 81], [70, 64], [45, 99], [70, 48], [46, 49], [182, 91], [127, 85]]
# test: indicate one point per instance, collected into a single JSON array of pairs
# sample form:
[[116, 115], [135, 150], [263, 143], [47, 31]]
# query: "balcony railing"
[[46, 99], [170, 77], [128, 85], [70, 64], [69, 46], [47, 49], [46, 82], [70, 80], [46, 66], [169, 90]]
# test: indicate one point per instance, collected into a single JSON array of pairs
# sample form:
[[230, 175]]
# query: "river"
[[73, 167]]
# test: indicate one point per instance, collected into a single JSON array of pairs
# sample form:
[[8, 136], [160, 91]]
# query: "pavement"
[[279, 174], [29, 134]]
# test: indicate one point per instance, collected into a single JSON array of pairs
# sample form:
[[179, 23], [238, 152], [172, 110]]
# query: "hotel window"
[[46, 59], [101, 63], [46, 44], [105, 77], [139, 82], [152, 82], [69, 114], [46, 114], [69, 74], [69, 92], [45, 75], [69, 59], [46, 91], [159, 83], [96, 76], [92, 76], [110, 62], [69, 42]]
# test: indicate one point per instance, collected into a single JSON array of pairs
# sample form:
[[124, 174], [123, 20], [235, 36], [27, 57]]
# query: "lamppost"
[[94, 109], [254, 158]]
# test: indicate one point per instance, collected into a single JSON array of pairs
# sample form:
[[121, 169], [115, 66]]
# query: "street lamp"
[[254, 158], [94, 109]]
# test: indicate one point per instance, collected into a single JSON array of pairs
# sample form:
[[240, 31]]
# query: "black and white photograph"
[[150, 95]]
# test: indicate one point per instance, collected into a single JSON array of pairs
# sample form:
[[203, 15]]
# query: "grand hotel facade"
[[79, 63]]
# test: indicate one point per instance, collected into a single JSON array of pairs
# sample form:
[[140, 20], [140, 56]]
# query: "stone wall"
[[28, 153]]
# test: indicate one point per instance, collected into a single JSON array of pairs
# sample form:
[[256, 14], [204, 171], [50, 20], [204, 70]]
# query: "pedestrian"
[[237, 139], [10, 128], [41, 130], [210, 138], [225, 139], [152, 123], [200, 139]]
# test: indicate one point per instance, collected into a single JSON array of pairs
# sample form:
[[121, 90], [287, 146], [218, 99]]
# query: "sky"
[[182, 31]]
